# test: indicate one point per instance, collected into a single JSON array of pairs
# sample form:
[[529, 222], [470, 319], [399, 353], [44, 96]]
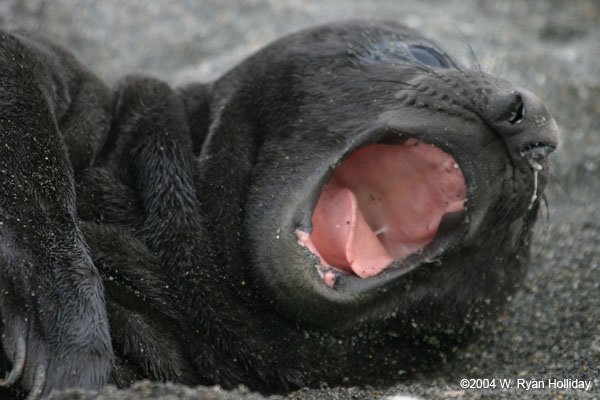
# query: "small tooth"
[[432, 225], [381, 230]]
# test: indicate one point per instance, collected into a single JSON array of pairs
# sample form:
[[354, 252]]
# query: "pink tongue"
[[344, 238], [384, 203]]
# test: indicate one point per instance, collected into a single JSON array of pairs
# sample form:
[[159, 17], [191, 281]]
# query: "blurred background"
[[551, 328]]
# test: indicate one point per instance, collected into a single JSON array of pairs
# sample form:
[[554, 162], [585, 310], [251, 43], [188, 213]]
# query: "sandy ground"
[[551, 328]]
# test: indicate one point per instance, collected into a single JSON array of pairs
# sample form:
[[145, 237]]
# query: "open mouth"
[[382, 206]]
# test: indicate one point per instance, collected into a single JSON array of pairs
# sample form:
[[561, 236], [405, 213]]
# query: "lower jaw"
[[452, 229]]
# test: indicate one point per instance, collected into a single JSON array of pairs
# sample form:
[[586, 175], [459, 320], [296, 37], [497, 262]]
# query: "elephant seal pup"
[[343, 206]]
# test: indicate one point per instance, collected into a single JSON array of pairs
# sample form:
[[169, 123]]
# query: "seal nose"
[[525, 125]]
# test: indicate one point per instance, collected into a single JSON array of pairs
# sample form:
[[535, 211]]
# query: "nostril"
[[516, 110], [537, 150], [509, 111], [522, 122]]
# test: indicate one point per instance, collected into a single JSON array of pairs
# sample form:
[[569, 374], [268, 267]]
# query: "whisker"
[[500, 69], [475, 64], [544, 199], [555, 180]]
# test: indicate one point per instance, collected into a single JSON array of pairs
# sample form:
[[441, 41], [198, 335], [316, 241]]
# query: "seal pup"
[[343, 206]]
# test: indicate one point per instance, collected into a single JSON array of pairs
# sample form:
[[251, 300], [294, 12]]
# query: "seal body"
[[343, 206]]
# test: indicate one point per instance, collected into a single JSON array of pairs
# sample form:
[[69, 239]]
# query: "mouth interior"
[[382, 204]]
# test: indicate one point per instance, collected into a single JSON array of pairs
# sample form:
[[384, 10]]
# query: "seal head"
[[361, 101]]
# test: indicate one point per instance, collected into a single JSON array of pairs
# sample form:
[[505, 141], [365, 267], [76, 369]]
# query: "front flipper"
[[53, 323]]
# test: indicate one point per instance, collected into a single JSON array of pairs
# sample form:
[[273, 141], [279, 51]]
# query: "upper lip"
[[452, 229]]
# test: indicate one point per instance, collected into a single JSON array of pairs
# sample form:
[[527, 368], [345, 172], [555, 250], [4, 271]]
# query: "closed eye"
[[430, 57]]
